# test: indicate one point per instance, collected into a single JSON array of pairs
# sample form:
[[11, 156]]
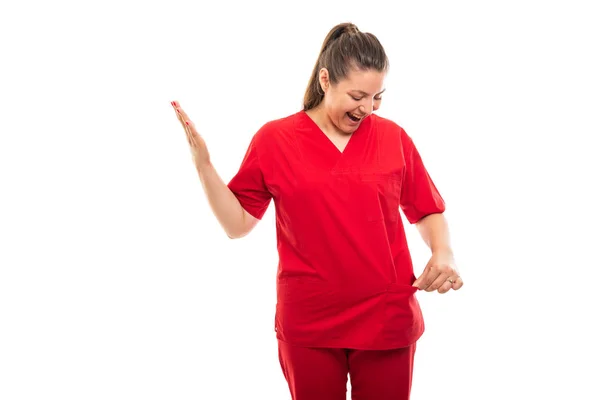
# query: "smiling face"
[[347, 102]]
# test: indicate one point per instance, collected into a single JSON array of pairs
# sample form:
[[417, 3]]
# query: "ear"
[[324, 79]]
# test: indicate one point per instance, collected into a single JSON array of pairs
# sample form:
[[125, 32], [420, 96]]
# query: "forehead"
[[368, 81]]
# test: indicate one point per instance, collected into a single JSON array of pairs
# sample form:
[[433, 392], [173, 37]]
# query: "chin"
[[343, 128], [349, 129], [347, 126]]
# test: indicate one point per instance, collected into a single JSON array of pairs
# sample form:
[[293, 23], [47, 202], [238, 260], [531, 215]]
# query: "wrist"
[[203, 168], [441, 249]]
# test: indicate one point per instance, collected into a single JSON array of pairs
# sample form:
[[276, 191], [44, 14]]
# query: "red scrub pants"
[[322, 373]]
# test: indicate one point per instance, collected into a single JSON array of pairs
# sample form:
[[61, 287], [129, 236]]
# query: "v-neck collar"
[[332, 157], [330, 143]]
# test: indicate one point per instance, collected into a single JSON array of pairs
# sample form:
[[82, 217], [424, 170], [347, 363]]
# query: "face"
[[349, 101]]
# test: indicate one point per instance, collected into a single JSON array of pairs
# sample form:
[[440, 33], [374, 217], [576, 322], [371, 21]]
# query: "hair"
[[344, 48]]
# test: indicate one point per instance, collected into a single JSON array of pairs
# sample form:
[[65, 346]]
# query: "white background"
[[116, 281]]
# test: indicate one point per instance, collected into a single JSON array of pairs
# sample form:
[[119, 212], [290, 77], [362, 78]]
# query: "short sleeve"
[[248, 184], [419, 196]]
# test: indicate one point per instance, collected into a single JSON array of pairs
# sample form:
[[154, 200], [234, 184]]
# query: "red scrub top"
[[345, 274]]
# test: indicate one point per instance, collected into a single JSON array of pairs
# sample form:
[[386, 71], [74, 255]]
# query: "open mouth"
[[353, 117]]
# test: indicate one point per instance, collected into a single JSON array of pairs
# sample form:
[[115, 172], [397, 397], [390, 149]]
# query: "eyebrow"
[[366, 94]]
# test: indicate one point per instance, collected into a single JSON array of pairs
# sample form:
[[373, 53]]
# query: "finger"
[[180, 118], [423, 281], [188, 134], [194, 137], [176, 108], [178, 114], [446, 286], [429, 275], [183, 113], [458, 283], [175, 104], [189, 126], [186, 126], [428, 278], [419, 280], [437, 283]]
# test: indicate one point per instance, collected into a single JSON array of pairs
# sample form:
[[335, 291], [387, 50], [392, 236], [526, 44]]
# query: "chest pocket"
[[381, 196]]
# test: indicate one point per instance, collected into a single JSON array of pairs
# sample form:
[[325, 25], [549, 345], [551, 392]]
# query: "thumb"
[[417, 282], [422, 276]]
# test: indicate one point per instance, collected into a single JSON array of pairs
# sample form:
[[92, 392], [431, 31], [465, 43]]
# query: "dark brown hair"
[[344, 47]]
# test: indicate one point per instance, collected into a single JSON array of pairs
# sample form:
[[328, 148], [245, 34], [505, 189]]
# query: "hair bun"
[[352, 29]]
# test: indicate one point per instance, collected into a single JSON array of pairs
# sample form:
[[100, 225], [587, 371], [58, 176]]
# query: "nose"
[[367, 107]]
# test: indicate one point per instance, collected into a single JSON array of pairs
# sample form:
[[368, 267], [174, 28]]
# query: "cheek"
[[339, 107], [346, 105]]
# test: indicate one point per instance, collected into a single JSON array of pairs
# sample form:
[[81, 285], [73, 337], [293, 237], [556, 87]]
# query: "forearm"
[[434, 231], [225, 206]]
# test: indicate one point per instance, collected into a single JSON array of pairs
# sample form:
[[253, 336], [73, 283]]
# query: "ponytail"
[[344, 47]]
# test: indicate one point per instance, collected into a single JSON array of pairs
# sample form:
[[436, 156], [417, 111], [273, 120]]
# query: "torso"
[[345, 274]]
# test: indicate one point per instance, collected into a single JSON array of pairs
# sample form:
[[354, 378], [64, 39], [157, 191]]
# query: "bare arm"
[[440, 273], [233, 218], [236, 221], [434, 231]]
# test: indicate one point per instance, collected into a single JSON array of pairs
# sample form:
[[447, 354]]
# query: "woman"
[[338, 175]]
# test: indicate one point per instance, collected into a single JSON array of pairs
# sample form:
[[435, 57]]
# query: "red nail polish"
[[187, 123]]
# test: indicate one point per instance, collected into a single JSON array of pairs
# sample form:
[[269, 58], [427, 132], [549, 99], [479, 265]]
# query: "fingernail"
[[187, 123]]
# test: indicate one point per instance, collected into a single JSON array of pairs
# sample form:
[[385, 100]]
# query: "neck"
[[321, 118]]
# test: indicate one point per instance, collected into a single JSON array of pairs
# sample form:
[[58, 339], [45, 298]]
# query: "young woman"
[[338, 175]]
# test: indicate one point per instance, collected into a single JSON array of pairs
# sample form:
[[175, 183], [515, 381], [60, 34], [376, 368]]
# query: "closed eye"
[[360, 98]]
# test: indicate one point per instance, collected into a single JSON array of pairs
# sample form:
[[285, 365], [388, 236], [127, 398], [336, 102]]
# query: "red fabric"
[[345, 273], [322, 373]]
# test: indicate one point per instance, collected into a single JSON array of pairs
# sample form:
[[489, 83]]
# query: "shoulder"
[[273, 128], [391, 130]]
